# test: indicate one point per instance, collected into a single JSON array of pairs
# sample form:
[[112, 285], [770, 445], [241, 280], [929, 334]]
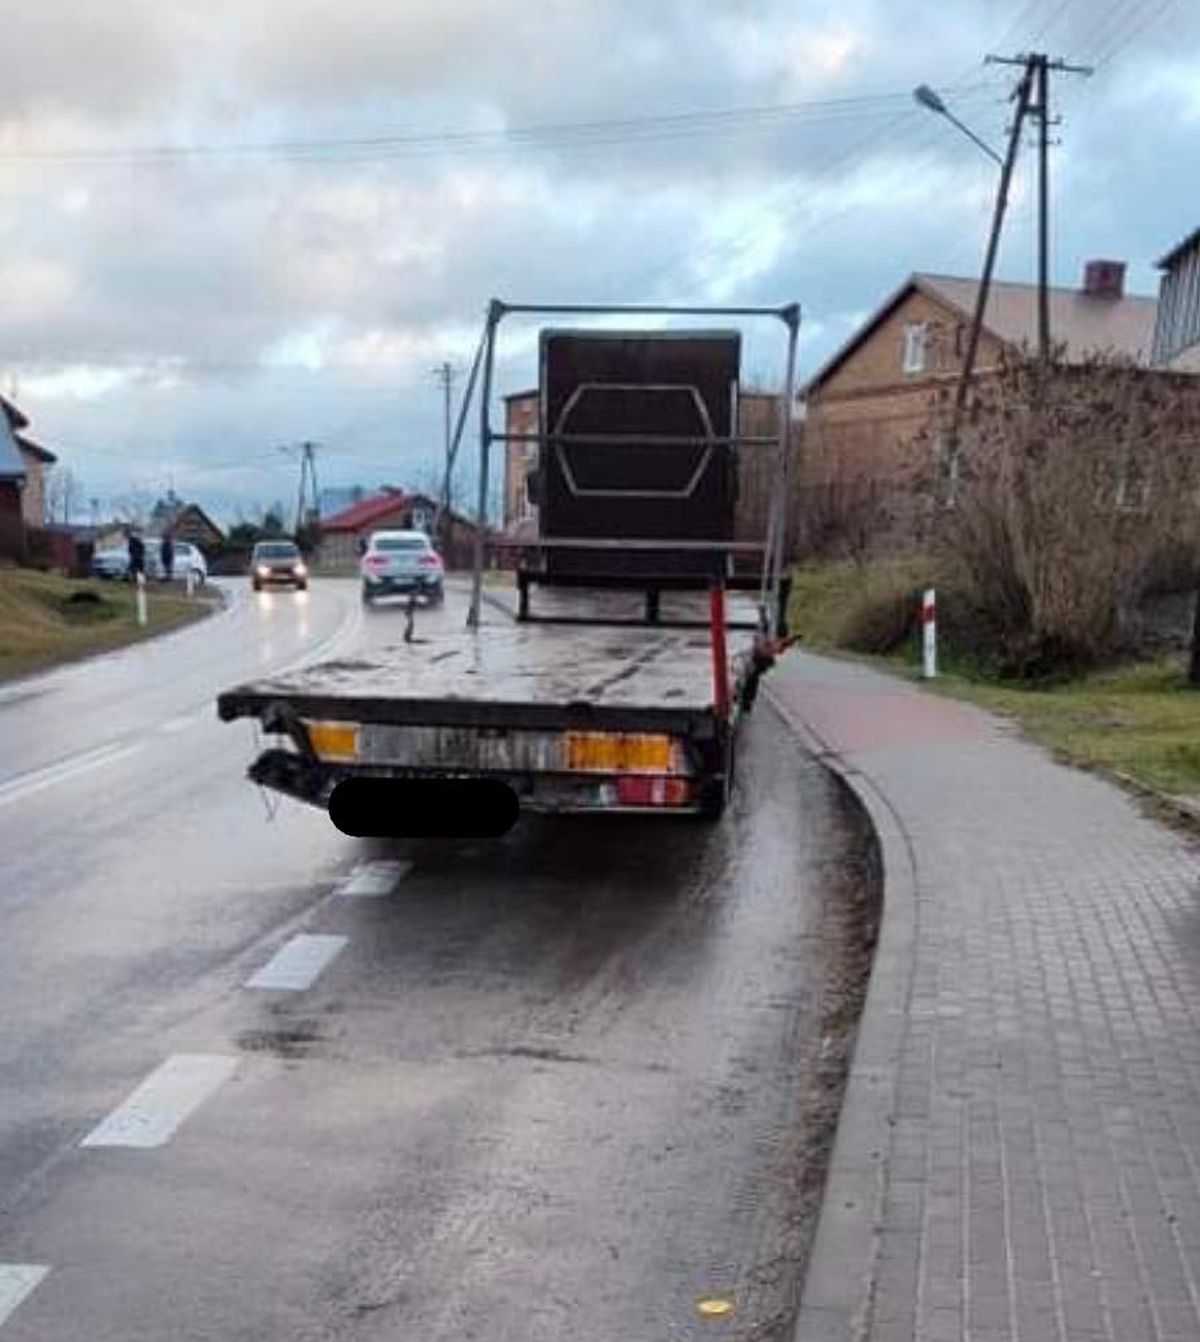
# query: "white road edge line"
[[25, 785], [373, 880], [296, 965], [17, 1280], [169, 1095]]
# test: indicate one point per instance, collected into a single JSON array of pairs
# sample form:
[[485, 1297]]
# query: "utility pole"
[[307, 490], [1043, 207], [1021, 95], [445, 374], [1037, 67]]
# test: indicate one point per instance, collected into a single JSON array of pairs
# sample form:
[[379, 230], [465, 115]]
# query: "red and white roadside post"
[[929, 633]]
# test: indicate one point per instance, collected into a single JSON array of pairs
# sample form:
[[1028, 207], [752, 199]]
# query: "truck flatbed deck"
[[510, 674], [506, 699]]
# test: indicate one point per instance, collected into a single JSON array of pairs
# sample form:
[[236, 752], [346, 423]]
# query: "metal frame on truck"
[[588, 719], [770, 582]]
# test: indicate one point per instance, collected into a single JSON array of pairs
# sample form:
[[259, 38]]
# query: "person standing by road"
[[137, 555], [166, 553]]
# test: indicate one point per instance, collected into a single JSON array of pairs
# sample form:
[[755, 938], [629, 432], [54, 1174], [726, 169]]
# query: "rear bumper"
[[281, 579], [403, 582], [313, 782]]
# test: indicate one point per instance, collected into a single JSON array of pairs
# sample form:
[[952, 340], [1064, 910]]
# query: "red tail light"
[[429, 561], [638, 790], [375, 561]]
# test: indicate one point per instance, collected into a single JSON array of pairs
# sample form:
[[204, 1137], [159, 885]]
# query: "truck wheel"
[[367, 596], [716, 794], [256, 585], [437, 595], [712, 801]]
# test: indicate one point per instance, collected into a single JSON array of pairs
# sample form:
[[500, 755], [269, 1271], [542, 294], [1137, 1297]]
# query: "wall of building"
[[1177, 328], [521, 416], [867, 439], [12, 526], [33, 496]]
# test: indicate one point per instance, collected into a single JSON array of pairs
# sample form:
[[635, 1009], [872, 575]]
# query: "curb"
[[1178, 811], [837, 1296]]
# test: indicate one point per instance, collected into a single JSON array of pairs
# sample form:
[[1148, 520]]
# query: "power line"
[[1140, 24], [1107, 20], [859, 150], [552, 135]]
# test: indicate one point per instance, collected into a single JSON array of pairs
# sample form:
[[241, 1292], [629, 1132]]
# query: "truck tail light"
[[333, 740], [638, 790], [624, 752]]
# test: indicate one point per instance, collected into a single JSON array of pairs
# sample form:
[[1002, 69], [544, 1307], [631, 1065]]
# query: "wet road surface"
[[258, 1080]]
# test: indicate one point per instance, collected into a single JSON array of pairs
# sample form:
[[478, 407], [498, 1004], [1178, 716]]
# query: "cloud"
[[237, 297]]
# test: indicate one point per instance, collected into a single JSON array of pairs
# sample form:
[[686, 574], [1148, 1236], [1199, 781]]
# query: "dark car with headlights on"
[[275, 563]]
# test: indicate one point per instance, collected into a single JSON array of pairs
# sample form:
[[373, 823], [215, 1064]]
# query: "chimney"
[[1104, 279]]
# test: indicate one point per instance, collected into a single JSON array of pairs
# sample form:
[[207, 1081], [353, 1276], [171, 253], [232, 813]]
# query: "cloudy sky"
[[229, 225]]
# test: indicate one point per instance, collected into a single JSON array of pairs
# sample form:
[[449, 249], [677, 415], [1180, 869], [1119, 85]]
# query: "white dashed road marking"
[[295, 966], [372, 880], [172, 1092], [17, 1280]]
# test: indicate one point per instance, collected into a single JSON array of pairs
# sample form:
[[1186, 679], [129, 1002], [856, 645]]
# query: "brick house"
[[757, 417], [344, 533], [868, 405]]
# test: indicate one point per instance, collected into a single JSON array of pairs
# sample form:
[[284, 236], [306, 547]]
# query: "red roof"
[[366, 511]]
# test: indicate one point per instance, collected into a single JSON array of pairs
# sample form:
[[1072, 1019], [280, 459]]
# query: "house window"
[[915, 342]]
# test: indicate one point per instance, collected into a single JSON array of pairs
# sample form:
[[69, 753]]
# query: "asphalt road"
[[539, 1088]]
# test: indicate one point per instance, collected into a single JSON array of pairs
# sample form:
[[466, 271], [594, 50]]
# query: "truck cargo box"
[[637, 444]]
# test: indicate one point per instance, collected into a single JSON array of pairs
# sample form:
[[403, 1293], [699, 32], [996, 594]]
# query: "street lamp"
[[930, 99]]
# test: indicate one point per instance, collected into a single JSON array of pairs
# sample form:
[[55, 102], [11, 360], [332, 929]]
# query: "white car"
[[401, 561], [114, 562]]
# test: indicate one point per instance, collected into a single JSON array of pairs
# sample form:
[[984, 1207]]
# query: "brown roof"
[[1087, 325], [194, 510], [35, 449]]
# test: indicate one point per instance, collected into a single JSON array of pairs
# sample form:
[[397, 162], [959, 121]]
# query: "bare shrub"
[[843, 517], [1068, 481]]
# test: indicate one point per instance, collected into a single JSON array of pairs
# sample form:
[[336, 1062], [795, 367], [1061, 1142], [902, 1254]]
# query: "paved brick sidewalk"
[[1019, 1152]]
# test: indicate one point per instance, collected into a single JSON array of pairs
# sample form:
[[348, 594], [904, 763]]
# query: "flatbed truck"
[[595, 702]]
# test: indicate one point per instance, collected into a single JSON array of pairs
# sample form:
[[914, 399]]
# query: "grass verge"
[[45, 619], [1138, 722]]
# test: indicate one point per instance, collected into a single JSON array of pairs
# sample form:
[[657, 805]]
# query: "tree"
[[1071, 479], [272, 522], [62, 496]]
